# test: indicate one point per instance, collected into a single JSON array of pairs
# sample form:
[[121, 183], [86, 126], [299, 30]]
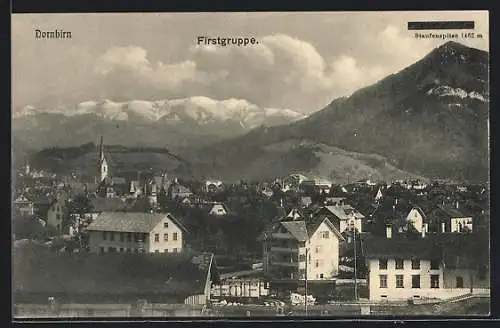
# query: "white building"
[[400, 269], [136, 232], [218, 209], [297, 242], [417, 218]]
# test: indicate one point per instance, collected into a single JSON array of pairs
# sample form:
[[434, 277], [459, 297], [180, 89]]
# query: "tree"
[[78, 208]]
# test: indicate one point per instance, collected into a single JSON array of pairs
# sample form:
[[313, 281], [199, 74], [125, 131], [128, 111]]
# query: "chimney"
[[388, 231]]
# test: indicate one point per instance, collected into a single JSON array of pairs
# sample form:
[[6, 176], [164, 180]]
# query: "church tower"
[[102, 165]]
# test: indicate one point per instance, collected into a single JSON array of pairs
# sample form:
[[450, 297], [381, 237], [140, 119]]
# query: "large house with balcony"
[[300, 247], [136, 233], [427, 267]]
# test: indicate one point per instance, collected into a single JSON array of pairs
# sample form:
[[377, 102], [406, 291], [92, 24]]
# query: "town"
[[151, 244]]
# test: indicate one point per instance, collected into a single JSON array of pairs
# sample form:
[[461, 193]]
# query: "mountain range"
[[430, 119], [174, 123]]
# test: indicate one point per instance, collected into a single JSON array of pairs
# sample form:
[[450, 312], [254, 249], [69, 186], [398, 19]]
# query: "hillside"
[[430, 118]]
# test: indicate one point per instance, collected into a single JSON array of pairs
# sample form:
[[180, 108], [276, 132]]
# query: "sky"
[[302, 60]]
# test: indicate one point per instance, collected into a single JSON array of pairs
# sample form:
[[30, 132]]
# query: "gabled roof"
[[400, 247], [297, 228], [313, 225], [126, 222], [343, 212]]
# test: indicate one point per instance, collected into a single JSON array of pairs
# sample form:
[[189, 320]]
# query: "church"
[[110, 186]]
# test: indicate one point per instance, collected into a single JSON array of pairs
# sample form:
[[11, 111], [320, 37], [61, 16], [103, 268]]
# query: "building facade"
[[136, 232], [296, 249]]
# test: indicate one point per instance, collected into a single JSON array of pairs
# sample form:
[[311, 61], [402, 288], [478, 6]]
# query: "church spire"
[[101, 150], [102, 164]]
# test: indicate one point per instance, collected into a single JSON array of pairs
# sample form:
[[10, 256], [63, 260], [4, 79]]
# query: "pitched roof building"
[[137, 232]]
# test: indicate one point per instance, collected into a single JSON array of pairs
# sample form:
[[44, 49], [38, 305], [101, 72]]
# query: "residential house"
[[295, 249], [182, 278], [58, 212], [32, 204], [401, 268], [417, 218], [178, 191], [343, 216], [23, 206], [218, 209], [213, 185], [452, 220], [137, 232]]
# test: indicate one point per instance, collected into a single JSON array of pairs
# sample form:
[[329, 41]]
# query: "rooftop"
[[129, 222]]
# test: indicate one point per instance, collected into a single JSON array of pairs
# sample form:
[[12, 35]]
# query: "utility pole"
[[355, 267], [305, 287]]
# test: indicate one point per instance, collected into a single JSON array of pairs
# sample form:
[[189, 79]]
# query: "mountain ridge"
[[437, 134]]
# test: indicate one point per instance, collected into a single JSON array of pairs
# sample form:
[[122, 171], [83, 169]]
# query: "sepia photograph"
[[250, 165]]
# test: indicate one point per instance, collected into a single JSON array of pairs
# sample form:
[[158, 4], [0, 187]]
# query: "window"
[[383, 281], [415, 264], [302, 258], [137, 237], [166, 250], [104, 235], [434, 264], [318, 249], [157, 237], [122, 236], [175, 250], [101, 250], [175, 236], [434, 281], [460, 282], [129, 250], [129, 236], [309, 259], [399, 281], [382, 264], [165, 237], [58, 216], [320, 276], [111, 236], [157, 251], [325, 234], [415, 281], [399, 264], [165, 225], [302, 244], [302, 273], [121, 249], [144, 237], [112, 249]]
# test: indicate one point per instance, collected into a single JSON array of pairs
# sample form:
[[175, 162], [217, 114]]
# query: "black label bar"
[[441, 25]]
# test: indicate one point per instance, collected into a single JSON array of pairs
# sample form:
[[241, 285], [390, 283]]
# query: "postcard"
[[250, 164]]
